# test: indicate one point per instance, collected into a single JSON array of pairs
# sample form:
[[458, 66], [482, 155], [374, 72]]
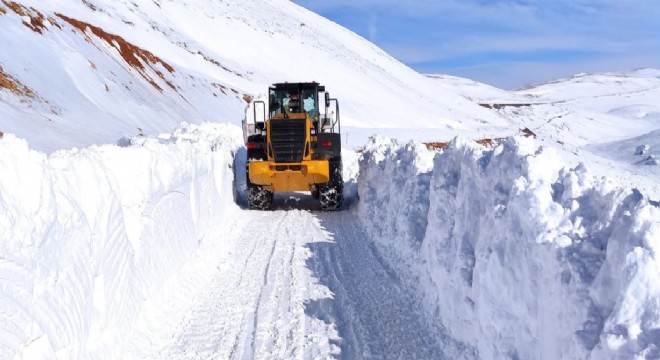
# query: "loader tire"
[[259, 198], [331, 195]]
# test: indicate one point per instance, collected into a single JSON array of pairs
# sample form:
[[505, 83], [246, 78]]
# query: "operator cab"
[[289, 99]]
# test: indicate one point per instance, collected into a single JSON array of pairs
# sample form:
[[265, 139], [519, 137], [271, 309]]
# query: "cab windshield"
[[294, 98]]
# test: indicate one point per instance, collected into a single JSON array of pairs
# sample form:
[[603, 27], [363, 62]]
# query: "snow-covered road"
[[375, 315], [296, 283], [254, 306]]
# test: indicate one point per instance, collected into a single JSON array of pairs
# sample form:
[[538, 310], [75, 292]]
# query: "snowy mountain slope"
[[92, 85], [585, 109], [480, 92], [101, 70], [601, 107], [640, 152], [617, 110], [586, 86]]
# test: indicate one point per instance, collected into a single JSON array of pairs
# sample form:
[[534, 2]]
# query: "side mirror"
[[327, 99]]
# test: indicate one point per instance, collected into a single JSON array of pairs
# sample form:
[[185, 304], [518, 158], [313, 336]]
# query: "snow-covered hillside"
[[97, 70], [597, 119]]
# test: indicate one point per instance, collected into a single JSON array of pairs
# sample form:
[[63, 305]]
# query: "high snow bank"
[[88, 236], [514, 254]]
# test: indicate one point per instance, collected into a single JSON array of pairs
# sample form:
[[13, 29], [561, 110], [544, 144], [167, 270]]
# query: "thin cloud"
[[515, 74], [424, 32], [373, 27]]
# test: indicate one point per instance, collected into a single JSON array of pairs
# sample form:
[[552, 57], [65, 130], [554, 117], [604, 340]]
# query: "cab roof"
[[297, 87]]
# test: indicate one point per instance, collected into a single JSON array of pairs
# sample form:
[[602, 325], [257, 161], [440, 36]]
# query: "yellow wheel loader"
[[296, 146]]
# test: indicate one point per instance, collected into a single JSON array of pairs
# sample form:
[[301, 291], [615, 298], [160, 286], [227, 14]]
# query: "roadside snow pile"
[[515, 254], [88, 236]]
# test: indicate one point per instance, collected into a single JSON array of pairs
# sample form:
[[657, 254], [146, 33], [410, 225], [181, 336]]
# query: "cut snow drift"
[[88, 237], [515, 254]]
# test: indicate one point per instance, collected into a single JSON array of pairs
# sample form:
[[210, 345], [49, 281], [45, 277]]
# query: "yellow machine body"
[[286, 177], [283, 177]]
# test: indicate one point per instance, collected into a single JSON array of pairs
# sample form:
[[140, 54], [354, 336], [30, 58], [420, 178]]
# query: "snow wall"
[[514, 254], [88, 236]]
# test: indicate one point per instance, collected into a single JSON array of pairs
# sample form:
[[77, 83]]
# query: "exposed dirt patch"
[[527, 133], [486, 142], [134, 56], [12, 84], [15, 7], [217, 63], [436, 145], [502, 106], [247, 98], [89, 5], [53, 22], [36, 23], [221, 87], [3, 11]]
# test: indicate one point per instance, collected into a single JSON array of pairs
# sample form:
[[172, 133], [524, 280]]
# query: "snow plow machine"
[[295, 147]]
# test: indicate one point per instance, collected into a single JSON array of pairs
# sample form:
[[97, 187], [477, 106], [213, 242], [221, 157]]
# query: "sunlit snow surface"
[[516, 254], [140, 246], [212, 55]]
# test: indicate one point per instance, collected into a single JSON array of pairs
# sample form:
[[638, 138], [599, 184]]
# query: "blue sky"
[[506, 43]]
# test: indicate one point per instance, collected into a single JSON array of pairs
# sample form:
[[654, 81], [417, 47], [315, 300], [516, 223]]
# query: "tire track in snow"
[[281, 329], [244, 328], [248, 311], [375, 317], [300, 284], [218, 324], [264, 286]]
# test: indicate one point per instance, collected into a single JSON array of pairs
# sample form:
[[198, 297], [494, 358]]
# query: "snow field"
[[514, 254], [87, 237]]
